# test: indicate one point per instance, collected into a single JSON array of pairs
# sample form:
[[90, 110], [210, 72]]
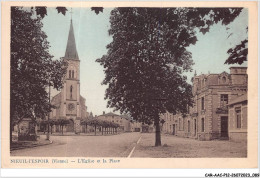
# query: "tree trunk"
[[86, 128], [51, 129], [157, 132], [62, 130], [95, 129], [102, 130]]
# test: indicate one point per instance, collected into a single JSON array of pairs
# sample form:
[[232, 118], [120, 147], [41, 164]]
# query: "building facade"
[[123, 121], [208, 117], [237, 119], [127, 124], [69, 103]]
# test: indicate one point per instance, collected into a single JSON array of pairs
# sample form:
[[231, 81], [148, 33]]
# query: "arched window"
[[73, 74], [202, 125], [189, 126], [179, 123], [224, 79], [69, 73], [183, 123], [71, 88]]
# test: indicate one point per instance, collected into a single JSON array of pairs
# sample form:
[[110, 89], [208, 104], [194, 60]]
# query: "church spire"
[[71, 50]]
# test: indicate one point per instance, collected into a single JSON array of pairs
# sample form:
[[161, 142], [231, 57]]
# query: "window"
[[202, 103], [73, 74], [189, 126], [69, 73], [238, 117], [179, 123], [224, 79], [71, 88], [223, 100], [183, 123], [202, 124]]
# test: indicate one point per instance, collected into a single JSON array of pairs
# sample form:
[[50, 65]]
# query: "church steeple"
[[71, 50]]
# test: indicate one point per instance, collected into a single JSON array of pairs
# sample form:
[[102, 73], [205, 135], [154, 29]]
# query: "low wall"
[[238, 136]]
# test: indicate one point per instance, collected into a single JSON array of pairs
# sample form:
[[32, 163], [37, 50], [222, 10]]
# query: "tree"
[[202, 18], [145, 61], [32, 68], [238, 54], [94, 122], [42, 10]]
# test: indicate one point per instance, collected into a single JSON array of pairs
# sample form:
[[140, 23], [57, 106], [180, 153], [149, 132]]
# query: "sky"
[[91, 35]]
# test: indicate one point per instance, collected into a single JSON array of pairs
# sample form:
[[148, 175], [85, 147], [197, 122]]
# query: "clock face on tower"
[[71, 106]]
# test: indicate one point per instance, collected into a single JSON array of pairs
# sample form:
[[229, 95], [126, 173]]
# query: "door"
[[173, 129], [70, 126], [224, 126]]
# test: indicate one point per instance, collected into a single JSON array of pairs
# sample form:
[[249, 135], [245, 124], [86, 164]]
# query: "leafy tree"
[[145, 61], [42, 10], [202, 18], [97, 9], [32, 68], [238, 54], [95, 123]]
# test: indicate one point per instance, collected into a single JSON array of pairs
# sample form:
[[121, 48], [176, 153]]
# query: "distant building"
[[127, 124], [123, 121], [135, 126], [238, 119], [168, 125], [208, 118]]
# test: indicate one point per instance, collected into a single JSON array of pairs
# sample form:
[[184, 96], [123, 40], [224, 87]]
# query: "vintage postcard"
[[129, 85]]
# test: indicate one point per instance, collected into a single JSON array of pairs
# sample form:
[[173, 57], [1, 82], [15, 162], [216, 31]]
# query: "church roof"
[[71, 50], [109, 114]]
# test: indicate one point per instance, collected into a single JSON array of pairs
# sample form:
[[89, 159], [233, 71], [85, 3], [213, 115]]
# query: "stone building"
[[135, 126], [69, 103], [122, 120], [208, 118], [237, 119]]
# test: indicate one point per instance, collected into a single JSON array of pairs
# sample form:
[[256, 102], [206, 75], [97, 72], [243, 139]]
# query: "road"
[[136, 145], [119, 145]]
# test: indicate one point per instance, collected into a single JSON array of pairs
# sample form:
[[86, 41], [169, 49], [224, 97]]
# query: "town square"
[[129, 82]]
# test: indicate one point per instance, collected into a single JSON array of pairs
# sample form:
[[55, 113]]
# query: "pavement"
[[136, 145], [84, 146], [179, 147], [41, 141]]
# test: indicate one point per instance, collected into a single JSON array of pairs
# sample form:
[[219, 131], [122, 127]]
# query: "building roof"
[[237, 67], [110, 114], [239, 99], [126, 117], [71, 50]]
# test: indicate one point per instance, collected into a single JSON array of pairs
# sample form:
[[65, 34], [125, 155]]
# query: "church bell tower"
[[71, 88]]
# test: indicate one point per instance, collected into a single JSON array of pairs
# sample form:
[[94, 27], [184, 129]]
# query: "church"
[[69, 103]]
